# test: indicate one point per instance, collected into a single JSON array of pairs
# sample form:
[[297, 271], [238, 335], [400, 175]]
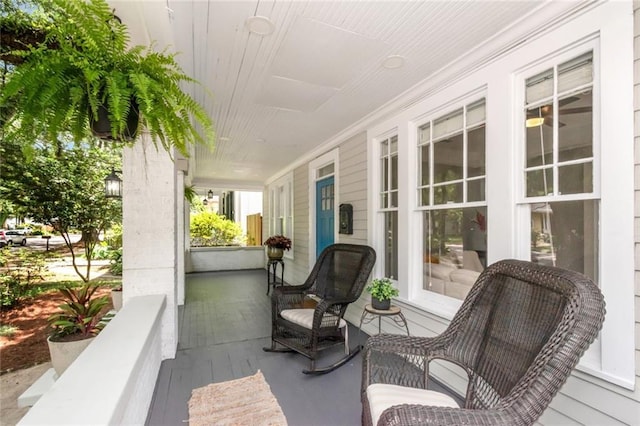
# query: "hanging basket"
[[274, 253], [101, 127]]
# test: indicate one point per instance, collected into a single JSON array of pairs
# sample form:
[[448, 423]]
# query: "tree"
[[62, 184]]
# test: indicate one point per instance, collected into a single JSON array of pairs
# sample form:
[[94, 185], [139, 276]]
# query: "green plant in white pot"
[[382, 290], [73, 327]]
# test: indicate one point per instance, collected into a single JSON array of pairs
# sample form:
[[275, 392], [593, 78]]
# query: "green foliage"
[[115, 256], [62, 185], [113, 236], [80, 314], [20, 270], [85, 62], [382, 289], [212, 229]]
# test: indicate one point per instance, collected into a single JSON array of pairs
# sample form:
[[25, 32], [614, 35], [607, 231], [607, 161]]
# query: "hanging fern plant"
[[84, 67]]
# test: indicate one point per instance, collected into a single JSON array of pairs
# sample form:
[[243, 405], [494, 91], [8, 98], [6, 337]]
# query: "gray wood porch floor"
[[224, 324]]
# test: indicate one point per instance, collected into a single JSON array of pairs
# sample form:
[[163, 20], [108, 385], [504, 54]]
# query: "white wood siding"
[[300, 265]]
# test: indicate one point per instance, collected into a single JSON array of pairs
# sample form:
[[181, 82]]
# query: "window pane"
[[447, 124], [383, 200], [539, 136], [393, 148], [447, 159], [565, 234], [476, 152], [325, 171], [575, 179], [540, 182], [444, 194], [384, 183], [539, 86], [394, 199], [575, 132], [576, 72], [424, 165], [423, 195], [475, 112], [394, 172], [424, 133], [455, 249], [475, 190], [391, 245]]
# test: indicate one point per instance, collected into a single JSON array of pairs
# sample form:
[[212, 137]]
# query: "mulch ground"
[[28, 345]]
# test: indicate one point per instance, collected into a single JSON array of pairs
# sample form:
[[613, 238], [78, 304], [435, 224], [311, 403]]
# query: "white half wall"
[[206, 259]]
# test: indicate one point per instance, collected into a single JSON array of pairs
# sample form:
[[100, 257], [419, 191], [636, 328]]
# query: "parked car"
[[3, 239], [14, 237]]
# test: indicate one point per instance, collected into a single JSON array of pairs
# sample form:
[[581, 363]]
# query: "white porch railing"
[[113, 380]]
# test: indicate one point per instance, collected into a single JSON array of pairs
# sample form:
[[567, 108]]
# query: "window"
[[389, 203], [281, 208], [559, 166], [451, 194]]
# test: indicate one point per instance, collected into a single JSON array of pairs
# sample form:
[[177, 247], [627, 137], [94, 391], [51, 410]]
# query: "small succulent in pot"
[[382, 290]]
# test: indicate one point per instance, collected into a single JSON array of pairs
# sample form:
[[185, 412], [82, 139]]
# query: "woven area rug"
[[246, 401]]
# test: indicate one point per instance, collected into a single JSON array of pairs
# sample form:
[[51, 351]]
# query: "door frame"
[[314, 166]]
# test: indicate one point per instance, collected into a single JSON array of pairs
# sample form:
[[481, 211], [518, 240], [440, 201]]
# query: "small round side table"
[[394, 312]]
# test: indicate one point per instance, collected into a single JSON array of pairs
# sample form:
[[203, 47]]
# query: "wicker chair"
[[308, 318], [518, 335]]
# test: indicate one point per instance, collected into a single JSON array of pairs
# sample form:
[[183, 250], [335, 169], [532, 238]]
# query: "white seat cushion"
[[382, 396], [304, 318]]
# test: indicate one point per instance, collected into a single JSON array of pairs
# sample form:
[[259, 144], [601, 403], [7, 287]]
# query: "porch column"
[[150, 227], [180, 206]]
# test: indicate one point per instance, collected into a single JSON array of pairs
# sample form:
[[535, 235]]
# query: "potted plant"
[[382, 290], [75, 325], [83, 72], [276, 244]]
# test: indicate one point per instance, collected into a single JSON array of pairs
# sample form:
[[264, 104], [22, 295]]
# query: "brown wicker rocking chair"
[[519, 333], [308, 318]]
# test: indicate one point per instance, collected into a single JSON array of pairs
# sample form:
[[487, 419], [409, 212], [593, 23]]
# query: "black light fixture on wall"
[[113, 185], [210, 195], [204, 201]]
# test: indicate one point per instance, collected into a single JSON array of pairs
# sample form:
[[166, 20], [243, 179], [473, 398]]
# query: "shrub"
[[19, 271], [116, 261], [212, 229], [113, 237]]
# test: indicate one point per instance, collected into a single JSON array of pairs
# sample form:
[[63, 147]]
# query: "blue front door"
[[324, 214]]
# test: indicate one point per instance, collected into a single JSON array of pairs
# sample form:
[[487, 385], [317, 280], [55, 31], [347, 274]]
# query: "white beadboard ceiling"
[[276, 98]]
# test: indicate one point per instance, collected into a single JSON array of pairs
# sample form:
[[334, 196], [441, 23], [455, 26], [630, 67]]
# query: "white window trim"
[[611, 357], [314, 166]]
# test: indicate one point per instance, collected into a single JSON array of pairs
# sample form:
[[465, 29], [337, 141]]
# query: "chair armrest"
[[331, 307], [400, 360], [408, 414]]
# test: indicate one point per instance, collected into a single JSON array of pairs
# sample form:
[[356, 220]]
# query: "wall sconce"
[[113, 185], [210, 195], [204, 201]]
